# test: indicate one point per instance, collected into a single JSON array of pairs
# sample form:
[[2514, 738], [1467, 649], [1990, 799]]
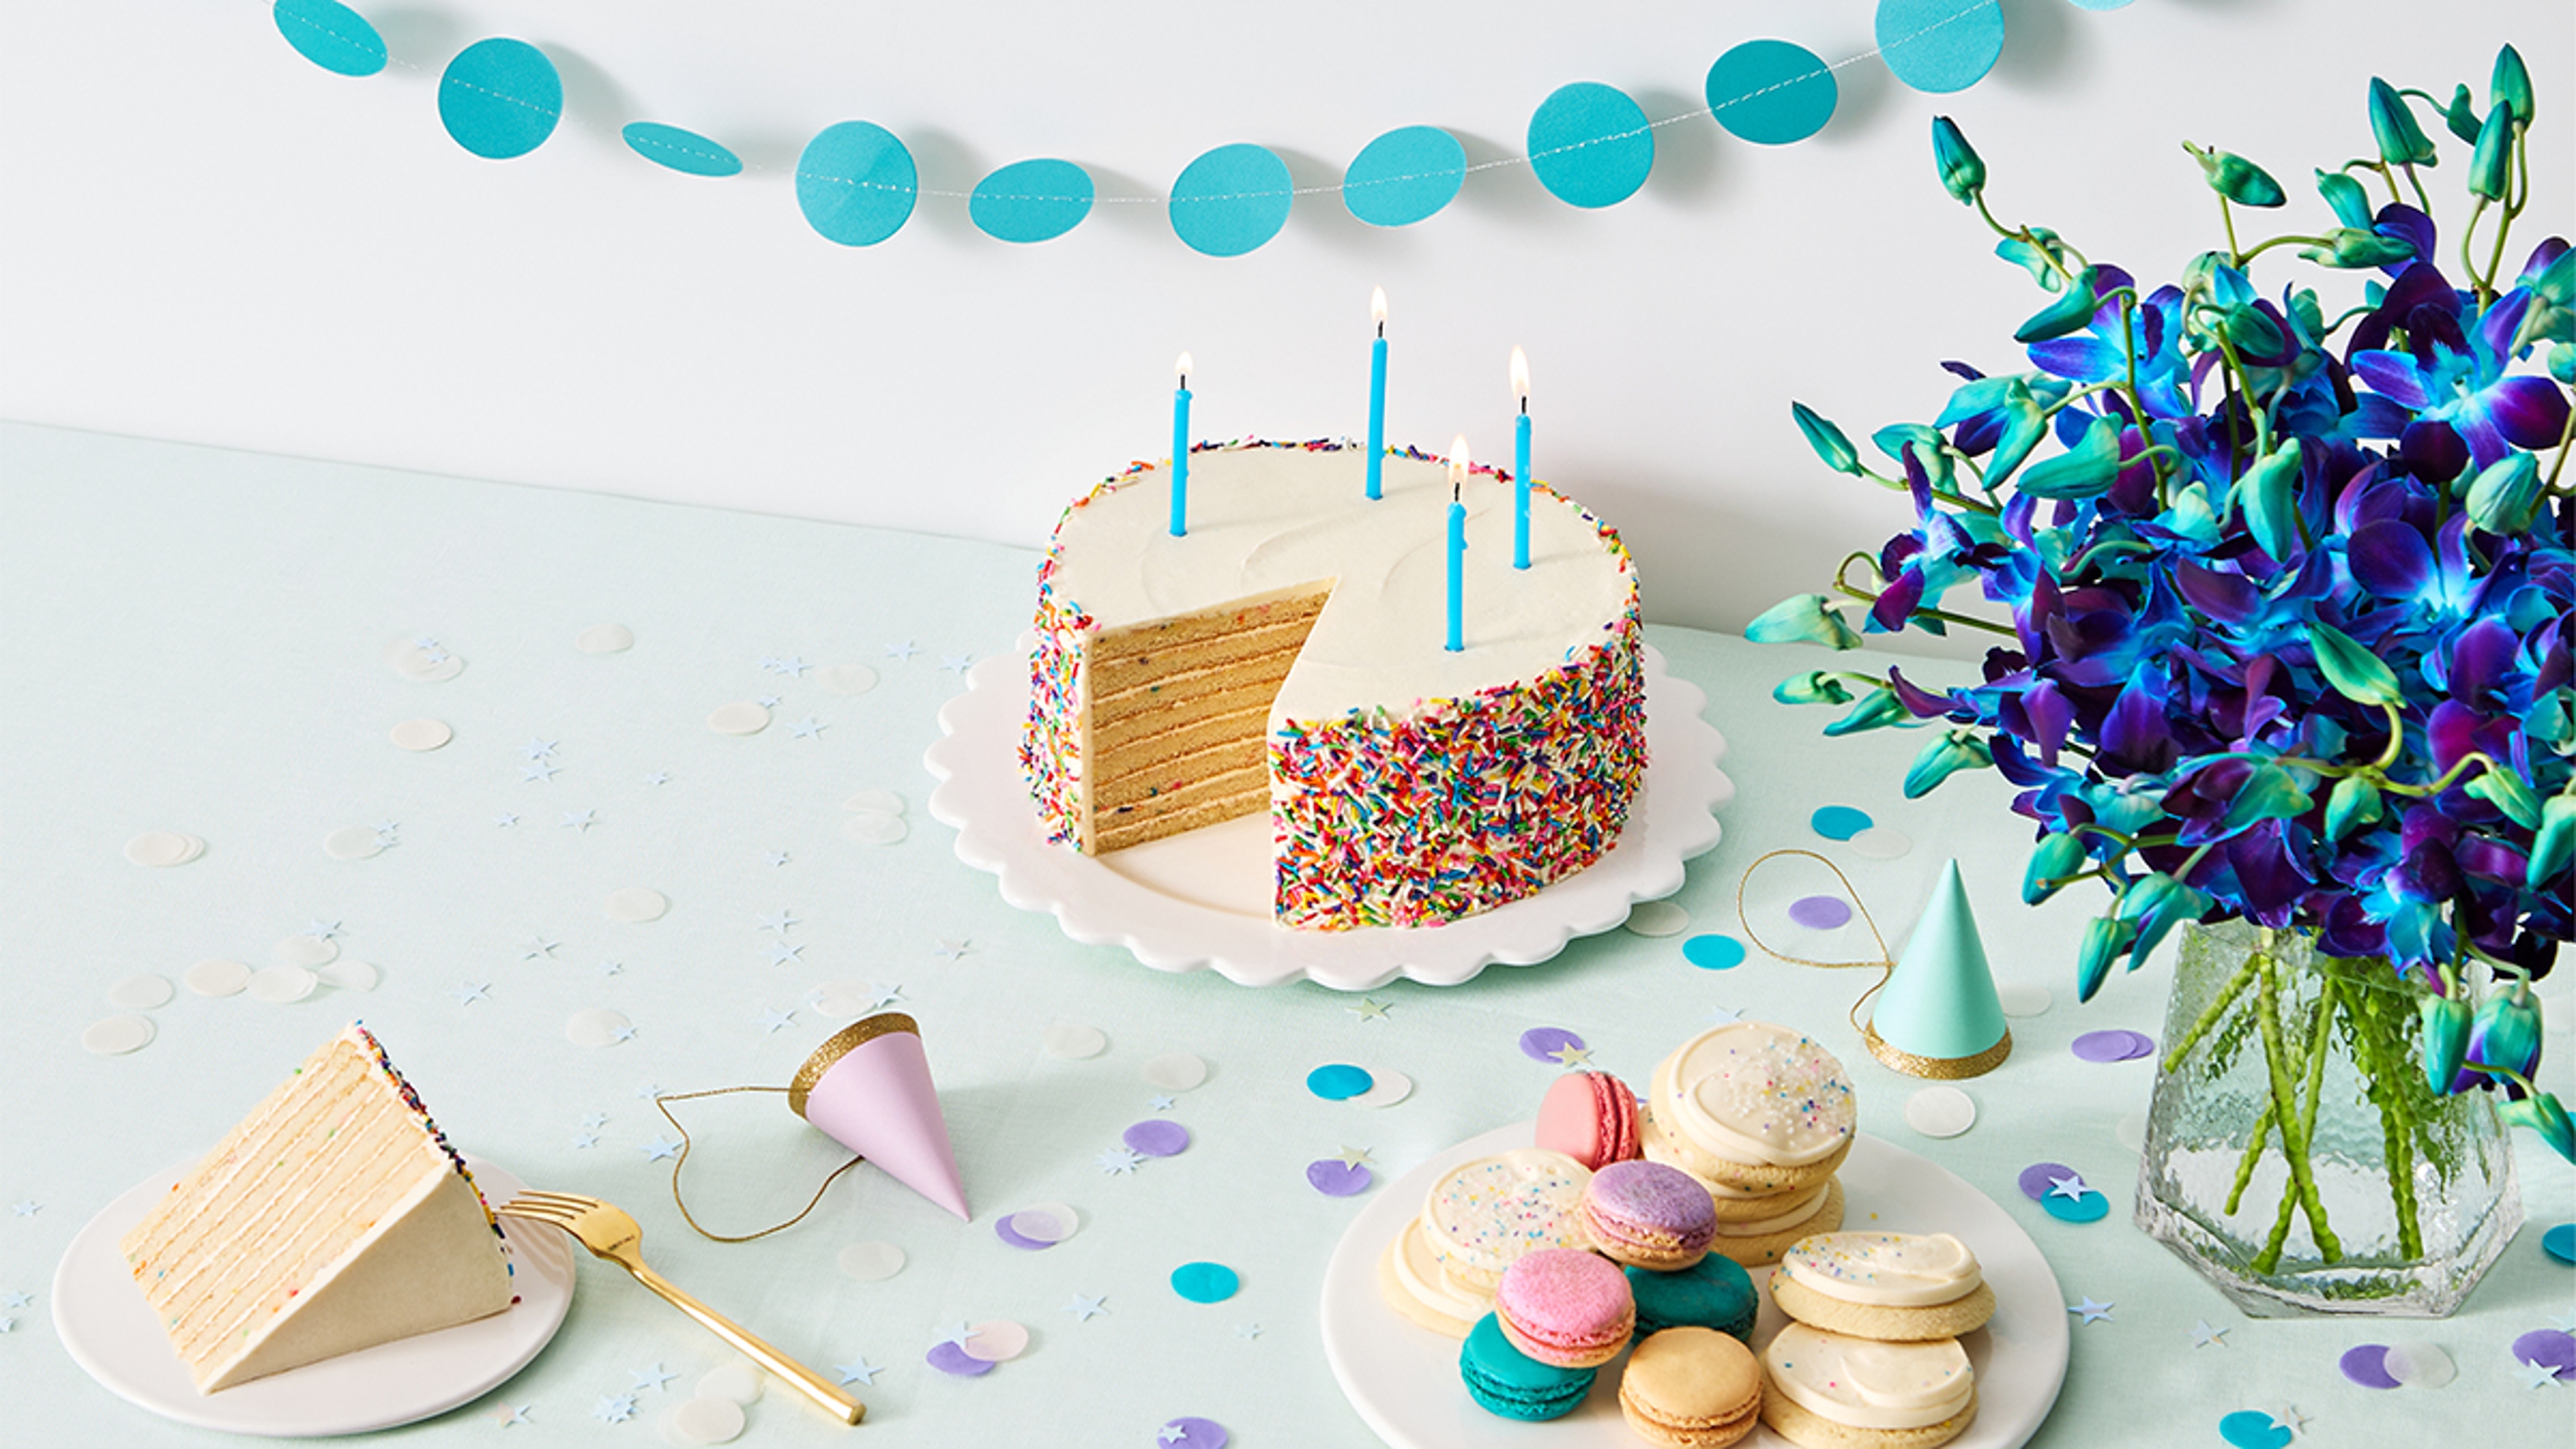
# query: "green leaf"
[[2505, 496], [2071, 312], [1826, 439], [1930, 450], [2508, 792], [2401, 141], [2354, 804], [2086, 470], [1878, 709], [1806, 619], [2355, 672]]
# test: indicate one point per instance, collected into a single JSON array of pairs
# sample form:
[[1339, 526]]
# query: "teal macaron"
[[1510, 1383], [1713, 1293]]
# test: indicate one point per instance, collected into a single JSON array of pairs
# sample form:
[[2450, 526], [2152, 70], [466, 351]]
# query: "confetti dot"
[[948, 1358], [1073, 1042], [2421, 1365], [1820, 913], [1175, 1071], [1195, 1434], [140, 993], [164, 847], [2092, 1207], [1542, 1043], [1391, 1088], [2560, 1242], [702, 1420], [2553, 1347], [884, 802], [307, 951], [1713, 952], [847, 678], [1839, 822], [1657, 918], [428, 666], [1205, 1282], [595, 1027], [874, 827], [217, 977], [1590, 145], [1940, 1112], [1940, 46], [635, 903], [2131, 1131], [2025, 1001], [279, 985], [353, 975], [1770, 92], [2367, 1365], [2254, 1429], [739, 718], [1333, 1177], [871, 1262], [500, 98], [604, 639], [352, 842], [1231, 200], [738, 1382], [1047, 1222], [118, 1035], [997, 1340], [2113, 1046], [421, 735], [2035, 1179], [1157, 1137], [846, 998], [1881, 842], [1339, 1082], [1007, 1229]]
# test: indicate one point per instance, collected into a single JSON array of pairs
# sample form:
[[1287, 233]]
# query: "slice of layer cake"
[[333, 1218]]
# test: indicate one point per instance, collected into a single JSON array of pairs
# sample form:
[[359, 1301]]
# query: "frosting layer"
[[1885, 1270], [1757, 1093], [1867, 1384], [1485, 1215]]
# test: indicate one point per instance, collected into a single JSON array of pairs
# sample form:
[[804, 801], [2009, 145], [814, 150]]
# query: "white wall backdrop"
[[204, 237]]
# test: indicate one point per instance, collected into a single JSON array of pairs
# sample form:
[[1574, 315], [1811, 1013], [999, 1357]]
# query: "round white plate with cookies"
[[1201, 900], [1403, 1378]]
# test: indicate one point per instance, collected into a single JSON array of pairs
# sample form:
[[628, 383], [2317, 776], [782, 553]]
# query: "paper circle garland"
[[1404, 176], [1590, 145], [330, 35], [1231, 200], [856, 183], [1031, 201], [1940, 45], [500, 98], [1771, 93], [683, 151]]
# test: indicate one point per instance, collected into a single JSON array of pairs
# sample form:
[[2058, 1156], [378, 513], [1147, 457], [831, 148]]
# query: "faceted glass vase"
[[2381, 1198]]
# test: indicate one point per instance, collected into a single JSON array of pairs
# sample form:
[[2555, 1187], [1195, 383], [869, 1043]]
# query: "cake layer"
[[1215, 696], [1211, 637], [1120, 830], [1164, 775]]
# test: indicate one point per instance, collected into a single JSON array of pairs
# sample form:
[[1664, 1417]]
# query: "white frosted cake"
[[1288, 655], [333, 1218]]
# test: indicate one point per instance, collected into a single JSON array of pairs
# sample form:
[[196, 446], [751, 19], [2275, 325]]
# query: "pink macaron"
[[1566, 1307], [1590, 1117], [1648, 1215]]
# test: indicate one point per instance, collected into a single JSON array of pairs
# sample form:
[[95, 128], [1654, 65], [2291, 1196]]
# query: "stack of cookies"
[[1872, 1358], [1442, 1270], [1761, 1116]]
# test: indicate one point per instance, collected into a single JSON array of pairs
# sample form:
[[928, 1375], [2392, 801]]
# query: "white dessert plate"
[[1403, 1378], [1201, 901], [110, 1331]]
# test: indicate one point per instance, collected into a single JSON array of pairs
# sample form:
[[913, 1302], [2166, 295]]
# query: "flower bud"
[[1802, 620], [1954, 751], [2401, 141], [1877, 710], [2104, 939], [1813, 687], [1826, 439], [2491, 165], [2237, 179], [2057, 857], [2461, 116], [2351, 204], [1963, 175], [2505, 1033], [2446, 1040], [2510, 85], [2541, 1113]]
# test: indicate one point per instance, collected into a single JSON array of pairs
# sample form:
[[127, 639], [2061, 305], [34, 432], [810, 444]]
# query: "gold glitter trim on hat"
[[845, 1041], [1939, 1069]]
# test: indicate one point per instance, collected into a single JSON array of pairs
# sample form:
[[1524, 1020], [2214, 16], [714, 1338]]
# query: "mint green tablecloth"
[[196, 640]]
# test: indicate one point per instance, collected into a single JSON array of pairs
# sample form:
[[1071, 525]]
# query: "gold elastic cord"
[[683, 1159]]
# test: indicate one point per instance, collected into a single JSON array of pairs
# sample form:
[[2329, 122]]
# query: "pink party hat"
[[869, 1087]]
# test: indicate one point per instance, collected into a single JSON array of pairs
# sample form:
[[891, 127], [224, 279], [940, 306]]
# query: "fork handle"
[[813, 1385]]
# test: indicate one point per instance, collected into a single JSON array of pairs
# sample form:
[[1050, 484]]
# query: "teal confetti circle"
[[1231, 200], [1031, 201], [2099, 4], [1339, 1082], [1839, 822], [1771, 93], [856, 183], [500, 98], [1590, 145], [2254, 1429], [1404, 176], [1940, 45], [680, 150], [330, 35], [1713, 952], [1205, 1282], [2560, 1242], [2092, 1207]]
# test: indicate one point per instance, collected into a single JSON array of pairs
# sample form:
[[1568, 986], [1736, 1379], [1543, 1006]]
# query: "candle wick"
[[1524, 404], [1381, 329]]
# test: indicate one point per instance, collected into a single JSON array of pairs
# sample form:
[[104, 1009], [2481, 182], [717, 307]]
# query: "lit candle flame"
[[1181, 369], [1457, 463], [1520, 378], [1377, 309]]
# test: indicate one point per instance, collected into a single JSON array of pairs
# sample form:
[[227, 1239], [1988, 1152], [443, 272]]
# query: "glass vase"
[[2295, 1155]]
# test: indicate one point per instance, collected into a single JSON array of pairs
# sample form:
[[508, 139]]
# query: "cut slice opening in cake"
[[1178, 727]]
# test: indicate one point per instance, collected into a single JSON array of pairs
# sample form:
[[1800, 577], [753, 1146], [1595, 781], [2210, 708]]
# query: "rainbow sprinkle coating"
[[403, 1089], [1399, 818]]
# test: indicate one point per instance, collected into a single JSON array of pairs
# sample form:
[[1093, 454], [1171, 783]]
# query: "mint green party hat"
[[1938, 1015]]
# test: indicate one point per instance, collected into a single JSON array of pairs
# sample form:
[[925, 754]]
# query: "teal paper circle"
[[856, 183], [1031, 201], [1839, 822], [1940, 45], [330, 35], [1205, 1282], [1771, 93], [2092, 1207], [1590, 146], [500, 98], [1231, 200], [2098, 4], [1713, 952], [680, 150], [1404, 176], [1339, 1082]]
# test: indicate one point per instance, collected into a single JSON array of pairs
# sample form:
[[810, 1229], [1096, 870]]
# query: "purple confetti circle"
[[2036, 1178], [1157, 1137], [2549, 1346], [1003, 1230], [1335, 1178], [1195, 1434], [1820, 913], [1542, 1043], [2106, 1046], [948, 1358], [2367, 1365]]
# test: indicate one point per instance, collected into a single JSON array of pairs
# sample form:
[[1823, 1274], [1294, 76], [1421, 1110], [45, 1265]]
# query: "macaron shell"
[[1691, 1388], [1509, 1383], [1794, 1422], [1648, 1215], [1887, 1325], [1565, 1307], [1716, 1293], [1765, 1250]]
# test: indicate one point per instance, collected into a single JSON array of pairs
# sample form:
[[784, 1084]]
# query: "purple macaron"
[[1648, 1215]]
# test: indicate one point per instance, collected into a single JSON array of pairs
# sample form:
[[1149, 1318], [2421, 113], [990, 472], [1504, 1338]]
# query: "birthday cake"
[[1288, 654]]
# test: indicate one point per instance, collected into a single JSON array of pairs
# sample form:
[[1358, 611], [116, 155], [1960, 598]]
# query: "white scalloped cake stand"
[[1201, 901]]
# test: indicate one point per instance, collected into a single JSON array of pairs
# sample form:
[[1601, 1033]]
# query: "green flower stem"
[[2227, 214], [2282, 241], [2423, 203], [2253, 1154], [2217, 1008], [2389, 176], [2380, 1051], [2468, 263], [2294, 1140], [1944, 615], [2566, 430]]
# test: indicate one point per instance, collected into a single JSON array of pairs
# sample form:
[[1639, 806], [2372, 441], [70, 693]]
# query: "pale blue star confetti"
[[509, 1416], [857, 1371], [1162, 1103], [1247, 1330], [538, 749], [2071, 1188], [1119, 1161], [794, 668], [505, 820], [2537, 1375], [1723, 1016], [647, 1092], [779, 921], [614, 1408], [955, 1333], [2204, 1336], [538, 772], [657, 778], [655, 1377], [611, 968], [782, 953], [27, 1209], [1086, 1309], [621, 1033], [583, 821], [585, 1139], [470, 993], [957, 664], [539, 946], [14, 1301], [1571, 1055], [774, 1021], [768, 701], [904, 650], [324, 929], [660, 1149], [595, 1120], [2093, 1312], [777, 857], [951, 950], [807, 728], [1369, 1009]]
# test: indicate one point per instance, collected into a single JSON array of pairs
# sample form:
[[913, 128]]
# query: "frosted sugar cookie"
[[1415, 1285], [1829, 1391], [1483, 1216], [1754, 1106], [1758, 1242], [1897, 1287]]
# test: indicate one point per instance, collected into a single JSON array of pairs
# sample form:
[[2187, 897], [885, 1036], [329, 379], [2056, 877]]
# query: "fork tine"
[[567, 1202], [520, 1207]]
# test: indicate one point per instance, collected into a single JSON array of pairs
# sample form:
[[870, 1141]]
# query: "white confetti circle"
[[739, 718], [1046, 1222], [2420, 1365], [140, 992], [595, 1027], [2131, 1131], [874, 827], [422, 734], [737, 1381], [424, 663], [703, 1420], [604, 639], [2024, 1000], [118, 1035], [1880, 842], [844, 998], [848, 678], [164, 847], [351, 842], [217, 977], [279, 985], [636, 903], [1073, 1041], [352, 975], [1657, 918], [996, 1340], [307, 951], [1385, 1089], [1176, 1071], [884, 802], [871, 1262], [1940, 1111]]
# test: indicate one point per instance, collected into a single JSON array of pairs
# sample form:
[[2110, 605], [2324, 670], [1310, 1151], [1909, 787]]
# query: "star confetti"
[[1572, 1055], [1369, 1009], [951, 950], [650, 1378], [2204, 1336], [470, 993], [807, 728], [773, 1021], [2093, 1312], [540, 771], [539, 948], [857, 1371], [2072, 1187], [2536, 1374], [660, 1149], [614, 1408], [904, 650], [1086, 1309], [778, 922], [1119, 1161]]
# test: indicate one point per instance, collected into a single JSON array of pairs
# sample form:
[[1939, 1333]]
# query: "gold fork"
[[610, 1233]]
